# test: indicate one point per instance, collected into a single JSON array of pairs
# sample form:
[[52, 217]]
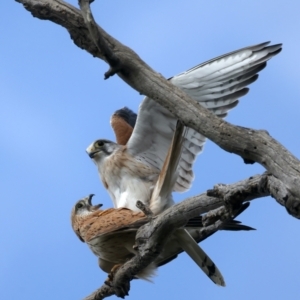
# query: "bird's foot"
[[111, 275], [121, 290], [145, 209]]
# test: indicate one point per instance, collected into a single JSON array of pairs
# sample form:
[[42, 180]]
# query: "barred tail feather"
[[189, 245]]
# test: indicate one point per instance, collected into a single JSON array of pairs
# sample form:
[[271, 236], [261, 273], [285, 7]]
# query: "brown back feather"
[[110, 220]]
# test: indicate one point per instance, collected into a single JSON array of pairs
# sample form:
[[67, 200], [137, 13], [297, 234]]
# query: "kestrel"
[[131, 172], [110, 234]]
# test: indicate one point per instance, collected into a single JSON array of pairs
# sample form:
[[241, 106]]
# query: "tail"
[[189, 245], [230, 225], [148, 272]]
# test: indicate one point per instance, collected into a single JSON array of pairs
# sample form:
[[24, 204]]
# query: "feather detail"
[[148, 273], [110, 220], [168, 175], [203, 261]]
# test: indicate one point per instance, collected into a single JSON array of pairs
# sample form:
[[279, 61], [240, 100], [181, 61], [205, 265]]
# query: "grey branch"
[[252, 145], [98, 37]]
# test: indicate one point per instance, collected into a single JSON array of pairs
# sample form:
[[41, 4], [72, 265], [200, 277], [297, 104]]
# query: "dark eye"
[[79, 205], [100, 143]]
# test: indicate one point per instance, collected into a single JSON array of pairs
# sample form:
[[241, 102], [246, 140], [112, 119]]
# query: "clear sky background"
[[54, 103]]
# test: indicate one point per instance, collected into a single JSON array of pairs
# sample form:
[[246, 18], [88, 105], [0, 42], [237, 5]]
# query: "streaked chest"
[[127, 179], [117, 248]]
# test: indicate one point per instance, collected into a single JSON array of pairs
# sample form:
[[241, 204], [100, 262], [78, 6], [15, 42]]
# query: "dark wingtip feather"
[[235, 225]]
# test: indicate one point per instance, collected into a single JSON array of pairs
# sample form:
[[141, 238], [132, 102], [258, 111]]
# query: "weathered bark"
[[252, 145]]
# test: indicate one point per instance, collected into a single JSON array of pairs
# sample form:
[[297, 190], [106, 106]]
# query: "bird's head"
[[84, 206], [80, 210], [100, 149]]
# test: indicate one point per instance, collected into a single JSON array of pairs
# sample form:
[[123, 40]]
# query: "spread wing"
[[217, 85]]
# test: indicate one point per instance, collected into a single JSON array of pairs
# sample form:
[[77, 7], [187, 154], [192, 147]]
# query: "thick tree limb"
[[251, 145]]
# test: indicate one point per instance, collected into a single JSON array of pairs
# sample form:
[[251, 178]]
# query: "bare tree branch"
[[101, 293], [282, 181], [98, 38]]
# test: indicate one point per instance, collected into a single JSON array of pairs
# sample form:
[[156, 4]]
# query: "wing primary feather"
[[167, 176], [231, 225], [236, 226]]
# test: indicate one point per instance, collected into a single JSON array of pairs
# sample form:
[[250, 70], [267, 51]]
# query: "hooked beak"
[[90, 199], [92, 154], [93, 207]]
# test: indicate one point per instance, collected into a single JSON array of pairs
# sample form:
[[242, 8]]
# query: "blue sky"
[[54, 103]]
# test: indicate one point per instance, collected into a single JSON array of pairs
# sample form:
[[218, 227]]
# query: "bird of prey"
[[129, 172], [110, 234]]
